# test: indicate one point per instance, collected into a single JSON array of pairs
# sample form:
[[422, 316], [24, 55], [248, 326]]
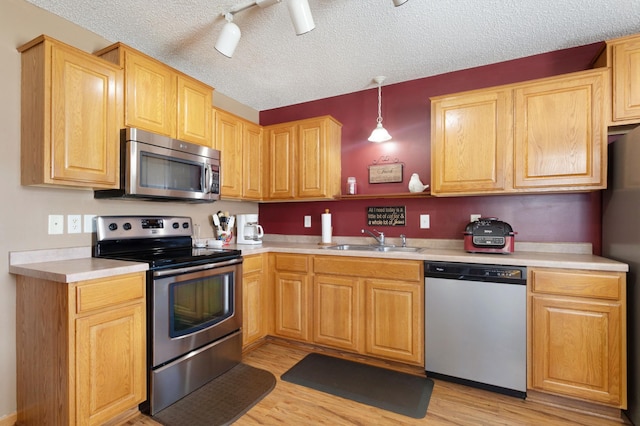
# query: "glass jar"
[[351, 186]]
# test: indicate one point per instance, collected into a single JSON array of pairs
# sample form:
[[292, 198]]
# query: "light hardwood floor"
[[451, 404]]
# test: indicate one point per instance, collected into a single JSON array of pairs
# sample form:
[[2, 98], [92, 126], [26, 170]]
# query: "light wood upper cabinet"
[[622, 56], [560, 133], [471, 140], [81, 349], [304, 159], [160, 99], [547, 135], [70, 117], [577, 334], [242, 156]]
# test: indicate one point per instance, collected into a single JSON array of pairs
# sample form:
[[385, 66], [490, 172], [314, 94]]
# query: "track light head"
[[229, 37], [301, 17], [397, 3]]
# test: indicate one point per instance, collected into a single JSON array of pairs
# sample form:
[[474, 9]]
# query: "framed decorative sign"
[[385, 171], [387, 216]]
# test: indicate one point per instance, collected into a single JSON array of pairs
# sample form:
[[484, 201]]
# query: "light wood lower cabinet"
[[370, 306], [292, 293], [577, 335], [254, 299], [81, 349]]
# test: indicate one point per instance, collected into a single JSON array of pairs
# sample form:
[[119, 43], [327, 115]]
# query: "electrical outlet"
[[307, 221], [89, 223], [74, 224], [425, 222], [56, 224], [474, 217]]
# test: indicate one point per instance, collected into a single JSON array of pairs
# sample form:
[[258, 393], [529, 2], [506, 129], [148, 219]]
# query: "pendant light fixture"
[[397, 3], [379, 134]]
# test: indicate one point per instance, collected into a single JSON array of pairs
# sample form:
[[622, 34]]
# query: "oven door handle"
[[196, 268]]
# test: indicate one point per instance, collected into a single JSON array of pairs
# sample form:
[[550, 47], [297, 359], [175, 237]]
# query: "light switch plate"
[[307, 221], [89, 224], [56, 224], [425, 222]]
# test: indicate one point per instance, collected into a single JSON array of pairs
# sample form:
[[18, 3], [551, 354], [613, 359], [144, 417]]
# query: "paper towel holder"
[[330, 242]]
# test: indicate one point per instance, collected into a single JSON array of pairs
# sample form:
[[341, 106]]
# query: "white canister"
[[351, 185]]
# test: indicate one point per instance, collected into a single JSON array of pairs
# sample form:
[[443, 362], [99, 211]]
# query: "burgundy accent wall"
[[406, 115]]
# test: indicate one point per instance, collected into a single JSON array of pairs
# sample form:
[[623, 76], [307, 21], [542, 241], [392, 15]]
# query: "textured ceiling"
[[353, 40]]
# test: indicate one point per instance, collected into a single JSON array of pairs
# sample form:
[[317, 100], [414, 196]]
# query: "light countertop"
[[76, 264]]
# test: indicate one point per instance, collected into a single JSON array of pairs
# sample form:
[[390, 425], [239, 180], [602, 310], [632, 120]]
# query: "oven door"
[[155, 171], [194, 306]]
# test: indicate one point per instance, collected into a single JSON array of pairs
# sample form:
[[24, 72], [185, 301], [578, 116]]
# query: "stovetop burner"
[[160, 241]]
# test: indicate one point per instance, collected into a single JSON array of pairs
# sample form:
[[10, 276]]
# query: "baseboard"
[[578, 406], [9, 420]]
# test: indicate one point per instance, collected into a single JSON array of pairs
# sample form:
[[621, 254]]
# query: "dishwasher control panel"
[[476, 272]]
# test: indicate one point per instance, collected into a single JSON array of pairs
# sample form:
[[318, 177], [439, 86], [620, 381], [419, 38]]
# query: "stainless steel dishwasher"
[[475, 325]]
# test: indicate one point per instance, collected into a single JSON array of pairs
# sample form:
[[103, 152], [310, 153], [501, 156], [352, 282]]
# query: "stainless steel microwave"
[[157, 167]]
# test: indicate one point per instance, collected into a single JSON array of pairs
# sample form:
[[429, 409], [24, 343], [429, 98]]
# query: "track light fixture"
[[230, 36], [379, 134]]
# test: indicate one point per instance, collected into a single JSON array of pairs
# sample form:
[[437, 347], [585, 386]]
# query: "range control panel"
[[124, 227]]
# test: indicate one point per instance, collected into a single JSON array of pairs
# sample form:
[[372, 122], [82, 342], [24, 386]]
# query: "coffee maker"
[[248, 229]]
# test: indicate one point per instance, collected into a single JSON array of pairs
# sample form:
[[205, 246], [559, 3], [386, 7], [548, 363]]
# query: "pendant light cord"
[[379, 104]]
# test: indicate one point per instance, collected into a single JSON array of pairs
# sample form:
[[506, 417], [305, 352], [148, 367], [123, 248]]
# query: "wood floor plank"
[[451, 404]]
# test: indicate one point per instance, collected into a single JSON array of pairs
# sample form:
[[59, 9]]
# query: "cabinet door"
[[626, 80], [337, 312], [229, 141], [253, 300], [253, 156], [110, 363], [394, 316], [84, 121], [560, 133], [292, 305], [194, 111], [577, 348], [470, 142], [150, 95], [282, 160]]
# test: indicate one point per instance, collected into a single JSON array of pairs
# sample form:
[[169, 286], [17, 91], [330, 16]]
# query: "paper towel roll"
[[326, 227]]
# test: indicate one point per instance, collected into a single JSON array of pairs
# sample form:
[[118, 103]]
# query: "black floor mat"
[[221, 401], [390, 390]]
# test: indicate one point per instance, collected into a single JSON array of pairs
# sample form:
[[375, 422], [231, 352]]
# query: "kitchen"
[[575, 217]]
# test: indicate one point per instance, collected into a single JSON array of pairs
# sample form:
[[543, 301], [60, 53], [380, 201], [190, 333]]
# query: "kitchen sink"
[[379, 248]]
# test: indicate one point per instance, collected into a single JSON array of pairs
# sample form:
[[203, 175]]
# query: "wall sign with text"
[[387, 216]]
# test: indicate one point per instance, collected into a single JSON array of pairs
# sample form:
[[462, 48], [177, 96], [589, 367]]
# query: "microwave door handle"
[[208, 178]]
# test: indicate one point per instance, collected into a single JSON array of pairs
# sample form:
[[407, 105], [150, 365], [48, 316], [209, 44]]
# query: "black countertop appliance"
[[489, 235]]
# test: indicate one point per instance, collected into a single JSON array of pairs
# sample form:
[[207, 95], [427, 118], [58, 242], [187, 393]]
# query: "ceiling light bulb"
[[379, 134], [397, 3], [228, 39], [301, 16]]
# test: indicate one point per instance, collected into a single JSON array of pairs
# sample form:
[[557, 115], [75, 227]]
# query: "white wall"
[[24, 210]]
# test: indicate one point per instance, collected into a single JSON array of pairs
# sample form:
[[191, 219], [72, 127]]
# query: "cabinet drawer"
[[602, 285], [292, 262], [403, 270], [252, 264], [96, 294]]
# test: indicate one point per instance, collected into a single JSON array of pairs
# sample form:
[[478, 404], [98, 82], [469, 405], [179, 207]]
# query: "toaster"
[[489, 235]]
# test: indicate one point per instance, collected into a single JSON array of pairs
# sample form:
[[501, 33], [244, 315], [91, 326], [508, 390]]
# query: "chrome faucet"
[[404, 240], [379, 238]]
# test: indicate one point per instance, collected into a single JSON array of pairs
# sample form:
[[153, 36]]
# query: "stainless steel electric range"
[[194, 302]]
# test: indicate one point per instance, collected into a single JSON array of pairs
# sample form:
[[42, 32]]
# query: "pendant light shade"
[[397, 3], [379, 134], [301, 16], [228, 38]]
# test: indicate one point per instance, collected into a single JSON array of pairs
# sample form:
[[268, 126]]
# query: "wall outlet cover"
[[425, 222], [74, 224], [474, 217], [307, 221]]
